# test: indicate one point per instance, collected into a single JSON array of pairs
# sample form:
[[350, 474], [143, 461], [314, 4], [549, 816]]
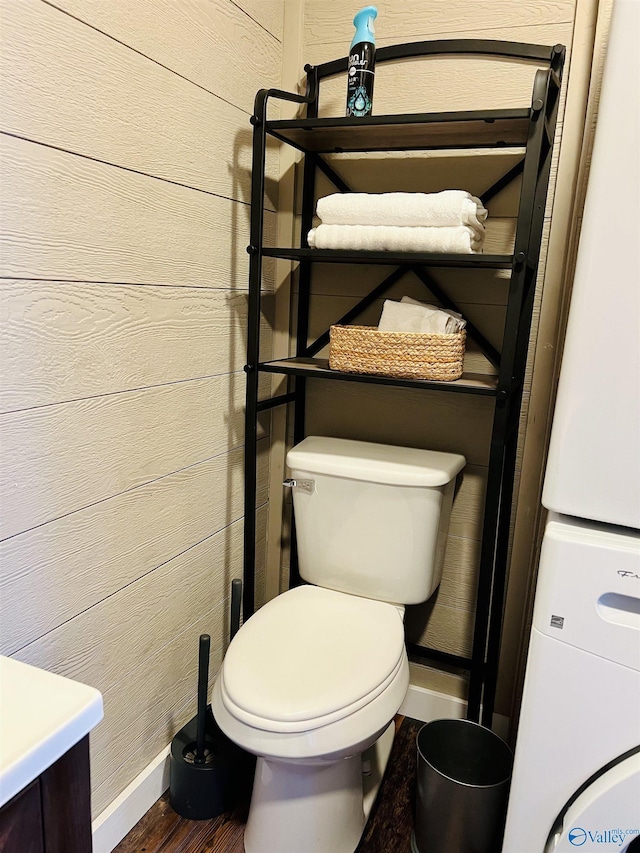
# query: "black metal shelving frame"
[[531, 129]]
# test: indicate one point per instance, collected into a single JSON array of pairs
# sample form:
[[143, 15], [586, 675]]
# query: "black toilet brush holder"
[[209, 774]]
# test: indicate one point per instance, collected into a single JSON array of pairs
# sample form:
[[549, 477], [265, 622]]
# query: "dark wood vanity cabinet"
[[21, 822], [53, 813]]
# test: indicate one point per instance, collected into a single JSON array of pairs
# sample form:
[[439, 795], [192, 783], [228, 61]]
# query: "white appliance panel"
[[593, 469], [591, 597], [578, 715], [580, 708], [599, 817]]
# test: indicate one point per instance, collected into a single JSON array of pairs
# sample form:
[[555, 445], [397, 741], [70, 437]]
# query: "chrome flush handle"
[[305, 485]]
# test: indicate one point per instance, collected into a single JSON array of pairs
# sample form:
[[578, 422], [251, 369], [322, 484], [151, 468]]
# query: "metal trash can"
[[464, 771]]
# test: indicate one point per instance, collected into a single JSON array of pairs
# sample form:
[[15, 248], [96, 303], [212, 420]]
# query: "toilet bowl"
[[311, 683], [314, 683]]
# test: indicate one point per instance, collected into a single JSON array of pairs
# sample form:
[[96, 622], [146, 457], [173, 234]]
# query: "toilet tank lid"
[[375, 463]]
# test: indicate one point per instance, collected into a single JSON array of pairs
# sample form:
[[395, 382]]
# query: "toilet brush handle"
[[203, 682]]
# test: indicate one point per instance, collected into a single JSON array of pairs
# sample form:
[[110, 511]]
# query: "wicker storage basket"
[[406, 355]]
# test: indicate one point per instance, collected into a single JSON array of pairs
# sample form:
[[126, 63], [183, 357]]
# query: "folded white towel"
[[390, 238], [415, 316], [444, 209], [455, 321]]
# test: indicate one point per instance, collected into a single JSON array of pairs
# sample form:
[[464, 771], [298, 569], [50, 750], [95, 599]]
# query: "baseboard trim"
[[425, 705], [111, 826]]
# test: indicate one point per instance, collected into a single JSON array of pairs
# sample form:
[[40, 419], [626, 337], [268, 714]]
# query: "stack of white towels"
[[409, 315], [450, 221]]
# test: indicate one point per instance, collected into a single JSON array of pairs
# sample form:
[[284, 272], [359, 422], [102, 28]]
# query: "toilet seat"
[[311, 657]]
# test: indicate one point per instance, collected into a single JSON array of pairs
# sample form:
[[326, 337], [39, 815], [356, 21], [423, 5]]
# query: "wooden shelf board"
[[318, 368], [431, 259], [414, 131]]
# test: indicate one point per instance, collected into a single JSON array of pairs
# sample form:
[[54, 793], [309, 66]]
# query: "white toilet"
[[311, 683]]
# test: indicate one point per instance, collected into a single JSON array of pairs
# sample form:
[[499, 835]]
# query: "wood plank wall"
[[439, 421], [126, 153]]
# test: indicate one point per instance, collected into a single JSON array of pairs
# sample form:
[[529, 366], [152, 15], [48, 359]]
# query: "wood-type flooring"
[[388, 830]]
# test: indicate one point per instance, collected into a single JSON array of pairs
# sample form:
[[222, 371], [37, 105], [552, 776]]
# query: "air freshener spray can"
[[360, 69]]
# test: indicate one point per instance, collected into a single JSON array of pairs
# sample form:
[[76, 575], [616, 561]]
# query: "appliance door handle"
[[620, 609]]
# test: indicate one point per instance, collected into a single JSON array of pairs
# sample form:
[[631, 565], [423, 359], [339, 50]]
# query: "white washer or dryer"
[[576, 778], [576, 781]]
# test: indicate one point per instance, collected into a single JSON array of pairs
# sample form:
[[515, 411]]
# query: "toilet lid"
[[311, 656]]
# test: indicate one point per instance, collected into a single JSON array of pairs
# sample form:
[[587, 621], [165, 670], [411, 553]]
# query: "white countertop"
[[42, 716]]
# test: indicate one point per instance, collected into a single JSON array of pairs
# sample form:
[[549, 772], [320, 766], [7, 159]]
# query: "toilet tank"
[[372, 519]]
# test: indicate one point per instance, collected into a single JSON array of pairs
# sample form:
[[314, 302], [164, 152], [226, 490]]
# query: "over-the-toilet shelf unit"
[[530, 128]]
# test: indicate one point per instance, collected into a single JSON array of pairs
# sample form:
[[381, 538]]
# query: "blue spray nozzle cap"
[[363, 23]]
